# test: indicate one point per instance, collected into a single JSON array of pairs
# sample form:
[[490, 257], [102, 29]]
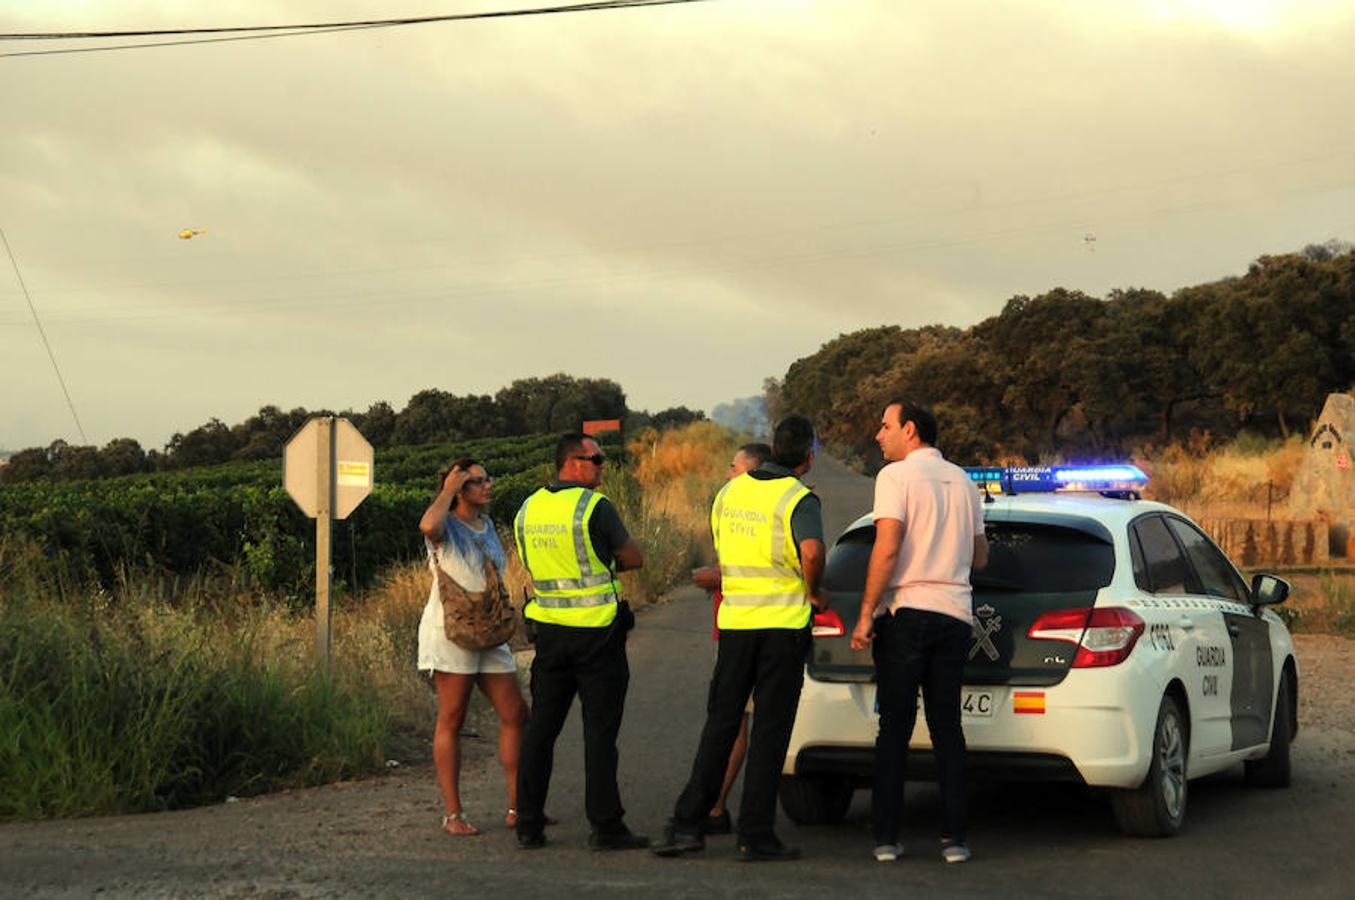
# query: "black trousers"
[[768, 663], [589, 662], [914, 648]]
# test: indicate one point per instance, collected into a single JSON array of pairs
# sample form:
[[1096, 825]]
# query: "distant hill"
[[748, 414]]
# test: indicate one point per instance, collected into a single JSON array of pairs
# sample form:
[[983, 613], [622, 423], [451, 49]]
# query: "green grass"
[[670, 548], [1321, 601], [145, 686], [1337, 615], [106, 710]]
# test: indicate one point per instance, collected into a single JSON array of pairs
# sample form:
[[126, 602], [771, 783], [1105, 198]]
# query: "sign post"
[[327, 468]]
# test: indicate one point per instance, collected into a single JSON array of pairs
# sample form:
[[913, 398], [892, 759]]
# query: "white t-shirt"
[[941, 512]]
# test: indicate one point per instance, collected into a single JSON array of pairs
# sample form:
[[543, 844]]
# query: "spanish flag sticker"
[[1028, 702]]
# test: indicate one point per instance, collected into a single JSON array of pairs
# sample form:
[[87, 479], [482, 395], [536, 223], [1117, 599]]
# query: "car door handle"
[[1187, 623]]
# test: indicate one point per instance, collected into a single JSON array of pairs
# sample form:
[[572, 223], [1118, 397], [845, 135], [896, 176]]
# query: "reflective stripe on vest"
[[571, 584], [760, 574]]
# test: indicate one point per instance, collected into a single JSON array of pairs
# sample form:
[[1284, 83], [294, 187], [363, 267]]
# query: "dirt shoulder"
[[1326, 666]]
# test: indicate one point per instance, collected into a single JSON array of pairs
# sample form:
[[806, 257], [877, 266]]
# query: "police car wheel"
[[815, 800], [1157, 808], [1272, 770]]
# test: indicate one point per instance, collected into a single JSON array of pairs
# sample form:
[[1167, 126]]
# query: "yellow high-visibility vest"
[[572, 585], [760, 573]]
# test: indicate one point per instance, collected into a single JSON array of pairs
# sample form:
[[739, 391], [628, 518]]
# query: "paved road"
[[378, 837]]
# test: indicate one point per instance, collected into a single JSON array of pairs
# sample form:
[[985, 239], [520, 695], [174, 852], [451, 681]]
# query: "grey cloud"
[[734, 181]]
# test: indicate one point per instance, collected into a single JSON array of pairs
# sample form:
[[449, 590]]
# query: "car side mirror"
[[1267, 590]]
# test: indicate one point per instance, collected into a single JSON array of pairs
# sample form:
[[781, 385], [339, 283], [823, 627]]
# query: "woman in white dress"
[[459, 535]]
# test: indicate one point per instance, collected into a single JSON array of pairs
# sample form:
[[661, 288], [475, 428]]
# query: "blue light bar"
[[1048, 479]]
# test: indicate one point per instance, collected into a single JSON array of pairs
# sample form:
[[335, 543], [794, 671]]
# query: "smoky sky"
[[684, 199]]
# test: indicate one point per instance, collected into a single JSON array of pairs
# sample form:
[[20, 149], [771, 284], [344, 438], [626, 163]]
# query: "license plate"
[[973, 704], [977, 704]]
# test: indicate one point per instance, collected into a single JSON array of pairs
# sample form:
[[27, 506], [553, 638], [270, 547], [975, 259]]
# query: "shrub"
[[111, 707], [664, 499]]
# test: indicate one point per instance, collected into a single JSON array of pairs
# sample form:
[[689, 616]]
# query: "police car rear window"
[[1044, 559], [846, 566]]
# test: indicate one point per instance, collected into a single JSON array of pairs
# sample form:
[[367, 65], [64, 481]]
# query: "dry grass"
[[1247, 479], [381, 628], [1320, 604], [666, 501], [680, 470], [1250, 479], [702, 449]]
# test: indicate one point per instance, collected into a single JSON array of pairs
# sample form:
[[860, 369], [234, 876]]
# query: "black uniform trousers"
[[769, 663], [590, 662]]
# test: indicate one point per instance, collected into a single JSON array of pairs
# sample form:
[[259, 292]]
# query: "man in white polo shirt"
[[917, 612]]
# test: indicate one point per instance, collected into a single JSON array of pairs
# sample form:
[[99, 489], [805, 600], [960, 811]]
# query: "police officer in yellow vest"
[[769, 539], [572, 541]]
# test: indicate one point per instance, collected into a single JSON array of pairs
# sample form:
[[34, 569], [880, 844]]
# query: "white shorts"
[[437, 654]]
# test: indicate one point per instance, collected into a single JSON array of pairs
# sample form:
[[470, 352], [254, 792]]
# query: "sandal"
[[510, 819], [457, 824]]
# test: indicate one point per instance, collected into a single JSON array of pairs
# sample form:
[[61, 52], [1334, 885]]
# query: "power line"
[[302, 26], [224, 40], [261, 32], [50, 355]]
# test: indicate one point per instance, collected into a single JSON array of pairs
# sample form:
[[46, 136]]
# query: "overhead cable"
[[263, 32], [41, 331], [260, 32]]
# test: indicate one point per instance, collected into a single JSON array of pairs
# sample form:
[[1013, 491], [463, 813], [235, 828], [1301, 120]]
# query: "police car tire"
[[1273, 769], [1145, 811], [815, 800]]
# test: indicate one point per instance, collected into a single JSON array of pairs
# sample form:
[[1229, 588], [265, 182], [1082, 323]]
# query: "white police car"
[[1114, 645]]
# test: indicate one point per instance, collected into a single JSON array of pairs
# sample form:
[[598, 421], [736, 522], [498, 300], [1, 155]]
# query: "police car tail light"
[[1104, 636], [828, 624], [1111, 634]]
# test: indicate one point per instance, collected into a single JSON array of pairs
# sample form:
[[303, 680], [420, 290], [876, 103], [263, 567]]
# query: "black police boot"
[[622, 839], [677, 841], [767, 849], [531, 840]]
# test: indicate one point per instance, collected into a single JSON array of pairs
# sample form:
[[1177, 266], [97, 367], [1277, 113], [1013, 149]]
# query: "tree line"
[[1066, 374], [555, 403]]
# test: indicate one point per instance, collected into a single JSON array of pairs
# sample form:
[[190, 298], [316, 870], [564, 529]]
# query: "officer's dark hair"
[[792, 441], [463, 463], [920, 416], [568, 445], [758, 452]]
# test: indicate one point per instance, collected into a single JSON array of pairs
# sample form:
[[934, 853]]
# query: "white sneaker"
[[888, 852], [956, 853]]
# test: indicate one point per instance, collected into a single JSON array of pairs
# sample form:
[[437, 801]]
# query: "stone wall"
[[1253, 543], [1324, 485]]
